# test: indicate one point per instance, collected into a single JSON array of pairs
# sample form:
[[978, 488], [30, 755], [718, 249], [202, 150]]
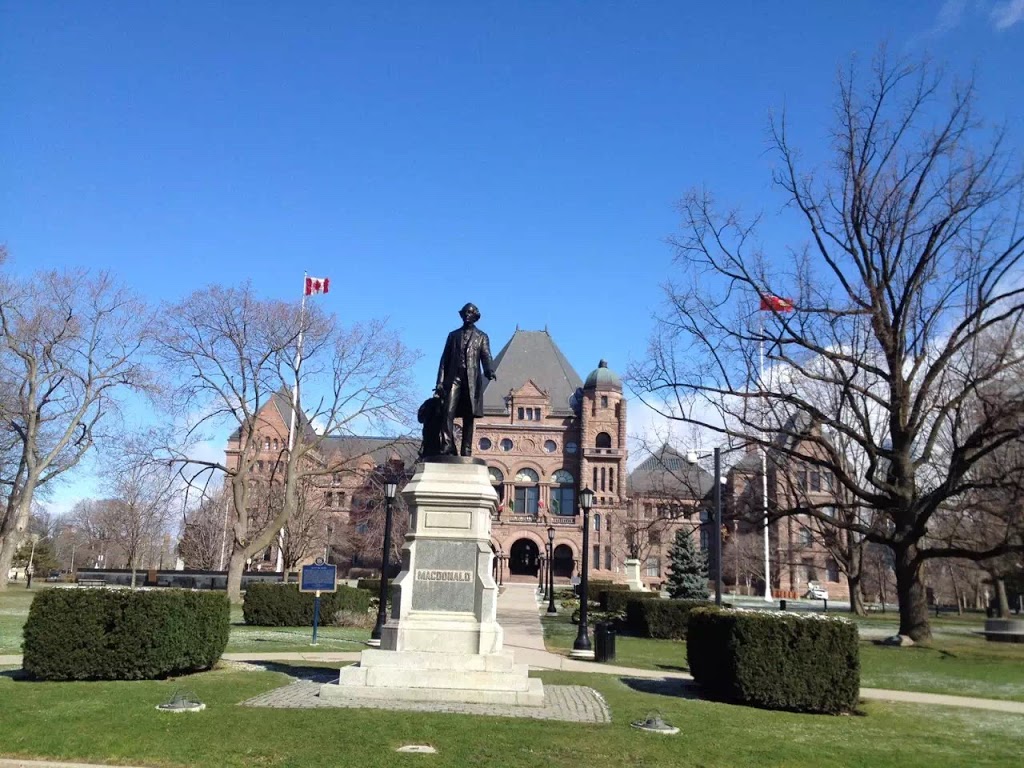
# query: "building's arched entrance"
[[523, 558], [563, 561]]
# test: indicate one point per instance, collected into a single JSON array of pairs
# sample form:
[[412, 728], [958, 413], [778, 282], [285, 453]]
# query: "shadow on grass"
[[677, 689], [672, 668], [301, 671]]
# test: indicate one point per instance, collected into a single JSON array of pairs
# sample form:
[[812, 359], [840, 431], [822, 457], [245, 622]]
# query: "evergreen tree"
[[688, 570]]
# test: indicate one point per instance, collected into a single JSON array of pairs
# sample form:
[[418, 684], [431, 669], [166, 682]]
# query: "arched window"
[[604, 440], [498, 481], [597, 522], [275, 444], [563, 493], [527, 492]]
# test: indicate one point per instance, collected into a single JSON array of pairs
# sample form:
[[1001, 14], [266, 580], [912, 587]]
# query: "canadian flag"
[[772, 303], [317, 285]]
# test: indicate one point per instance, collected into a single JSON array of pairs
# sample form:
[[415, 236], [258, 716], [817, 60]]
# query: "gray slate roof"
[[380, 449], [667, 472], [282, 401], [532, 355]]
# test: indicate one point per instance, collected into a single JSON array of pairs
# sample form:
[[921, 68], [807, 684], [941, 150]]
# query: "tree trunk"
[[235, 567], [854, 581], [13, 536], [956, 589], [1002, 602], [911, 595]]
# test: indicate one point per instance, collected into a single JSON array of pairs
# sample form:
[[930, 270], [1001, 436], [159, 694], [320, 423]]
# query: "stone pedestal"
[[633, 576], [442, 641]]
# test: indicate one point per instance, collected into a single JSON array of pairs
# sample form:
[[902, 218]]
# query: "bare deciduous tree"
[[228, 353], [70, 345], [914, 246], [369, 512], [144, 490], [203, 542]]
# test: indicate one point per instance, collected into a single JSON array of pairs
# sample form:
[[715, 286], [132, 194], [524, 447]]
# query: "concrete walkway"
[[519, 615]]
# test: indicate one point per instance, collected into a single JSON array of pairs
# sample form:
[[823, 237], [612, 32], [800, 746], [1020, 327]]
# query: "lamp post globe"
[[551, 571], [390, 488], [581, 648]]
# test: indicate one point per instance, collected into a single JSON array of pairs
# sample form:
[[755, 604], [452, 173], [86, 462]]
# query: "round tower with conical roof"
[[603, 436]]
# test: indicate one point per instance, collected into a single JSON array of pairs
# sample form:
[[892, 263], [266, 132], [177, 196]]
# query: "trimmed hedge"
[[663, 619], [101, 634], [775, 660], [371, 585], [596, 586], [616, 599], [282, 605]]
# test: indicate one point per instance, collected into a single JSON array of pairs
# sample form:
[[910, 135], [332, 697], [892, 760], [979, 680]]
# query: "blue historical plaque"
[[319, 578]]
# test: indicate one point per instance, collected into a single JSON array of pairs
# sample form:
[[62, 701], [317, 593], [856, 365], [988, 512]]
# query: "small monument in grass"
[[442, 641], [633, 580]]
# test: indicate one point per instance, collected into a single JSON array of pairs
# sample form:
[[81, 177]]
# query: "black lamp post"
[[551, 570], [390, 486], [581, 648], [547, 572], [716, 500], [501, 568], [542, 575]]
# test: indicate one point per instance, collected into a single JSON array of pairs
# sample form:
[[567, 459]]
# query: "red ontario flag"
[[772, 303], [317, 285]]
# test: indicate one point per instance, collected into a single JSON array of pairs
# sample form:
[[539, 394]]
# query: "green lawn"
[[635, 652], [960, 664], [117, 722], [15, 601], [966, 666]]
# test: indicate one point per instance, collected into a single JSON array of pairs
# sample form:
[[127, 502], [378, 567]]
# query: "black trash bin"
[[782, 605], [604, 641]]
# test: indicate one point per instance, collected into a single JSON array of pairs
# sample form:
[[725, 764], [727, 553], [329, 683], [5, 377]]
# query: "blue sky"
[[524, 156]]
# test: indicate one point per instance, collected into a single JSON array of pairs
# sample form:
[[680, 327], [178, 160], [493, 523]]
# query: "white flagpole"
[[295, 410], [764, 478]]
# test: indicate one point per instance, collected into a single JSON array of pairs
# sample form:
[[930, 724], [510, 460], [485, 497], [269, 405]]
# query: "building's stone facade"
[[545, 435]]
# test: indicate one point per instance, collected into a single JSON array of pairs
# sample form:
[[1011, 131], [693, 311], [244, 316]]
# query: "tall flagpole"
[[764, 478], [295, 410]]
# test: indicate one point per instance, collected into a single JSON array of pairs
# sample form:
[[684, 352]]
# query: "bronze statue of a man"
[[460, 380]]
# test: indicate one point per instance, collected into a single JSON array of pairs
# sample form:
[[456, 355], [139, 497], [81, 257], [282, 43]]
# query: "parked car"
[[814, 592]]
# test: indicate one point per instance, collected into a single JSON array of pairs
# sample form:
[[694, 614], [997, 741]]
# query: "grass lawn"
[[967, 666], [117, 722], [636, 652], [15, 601], [959, 664]]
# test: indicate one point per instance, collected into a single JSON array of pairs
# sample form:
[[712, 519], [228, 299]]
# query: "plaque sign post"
[[318, 578]]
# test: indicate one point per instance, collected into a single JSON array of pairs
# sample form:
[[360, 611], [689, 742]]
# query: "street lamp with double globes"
[[716, 496], [390, 487], [581, 648], [551, 570]]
